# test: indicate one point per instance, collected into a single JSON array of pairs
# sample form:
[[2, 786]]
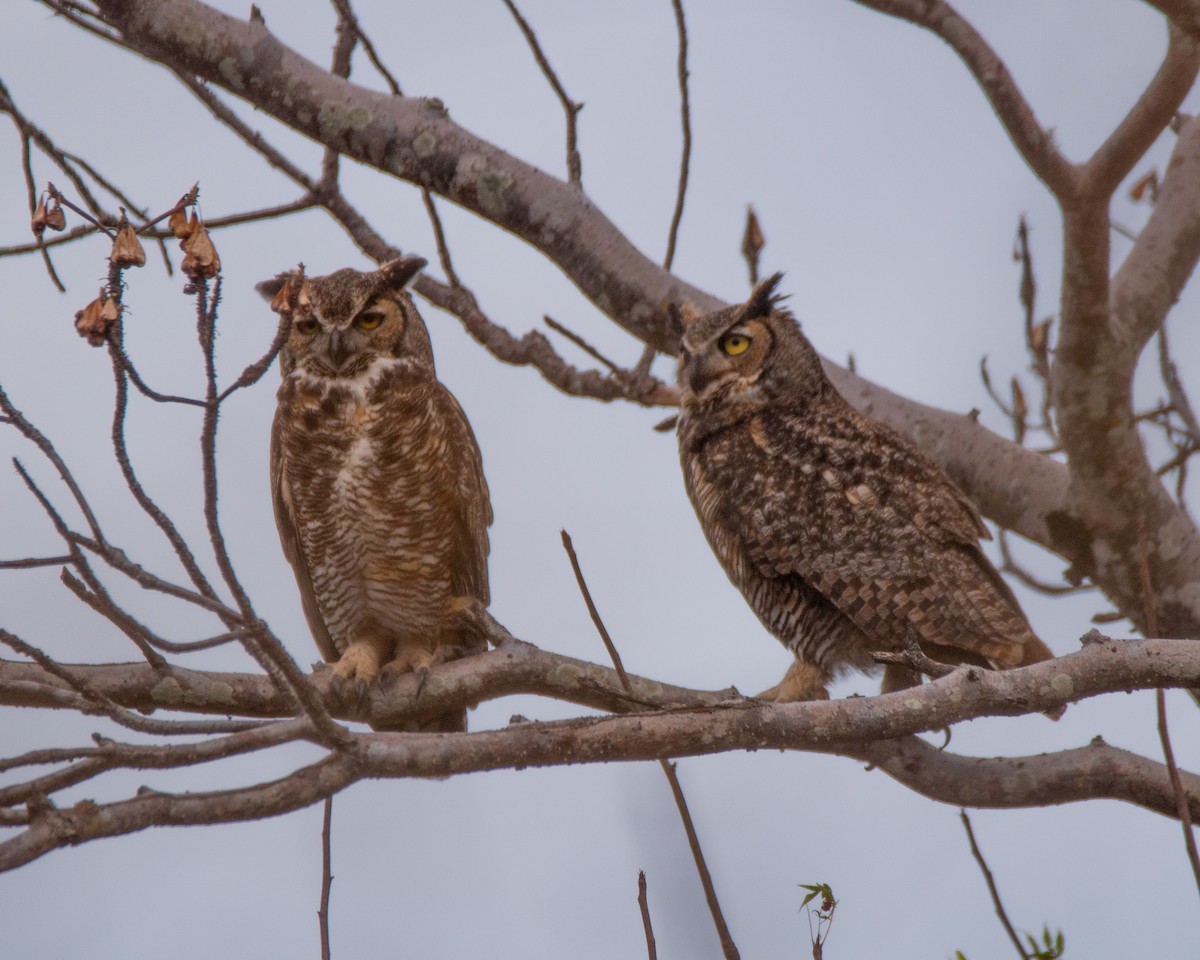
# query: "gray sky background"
[[888, 192]]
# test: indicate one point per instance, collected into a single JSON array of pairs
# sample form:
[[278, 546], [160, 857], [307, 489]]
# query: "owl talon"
[[359, 661], [803, 681]]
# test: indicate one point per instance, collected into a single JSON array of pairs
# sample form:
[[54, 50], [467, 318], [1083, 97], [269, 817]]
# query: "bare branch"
[[991, 885], [326, 877], [728, 947], [1033, 142], [644, 907], [1126, 145], [570, 107], [31, 562], [1185, 14], [685, 159]]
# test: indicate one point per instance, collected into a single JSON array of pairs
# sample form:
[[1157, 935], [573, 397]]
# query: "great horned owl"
[[376, 478], [843, 538]]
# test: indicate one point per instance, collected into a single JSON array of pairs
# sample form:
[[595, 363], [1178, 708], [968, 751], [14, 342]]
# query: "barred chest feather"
[[364, 471], [723, 465]]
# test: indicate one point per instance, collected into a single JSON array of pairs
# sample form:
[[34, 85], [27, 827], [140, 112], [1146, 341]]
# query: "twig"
[[114, 711], [1010, 566], [594, 613], [1175, 390], [580, 343], [439, 237], [346, 12], [1035, 143], [991, 885], [31, 562], [1150, 613], [914, 657], [326, 877], [644, 906], [27, 167], [686, 120], [570, 107], [752, 243], [710, 893], [121, 366]]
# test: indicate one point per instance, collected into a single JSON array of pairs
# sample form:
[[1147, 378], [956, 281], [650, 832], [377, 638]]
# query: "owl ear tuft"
[[396, 274], [764, 299]]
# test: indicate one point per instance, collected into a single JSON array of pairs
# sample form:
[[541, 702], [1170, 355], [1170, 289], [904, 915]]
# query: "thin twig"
[[31, 562], [347, 14], [439, 237], [570, 107], [594, 613], [27, 167], [326, 877], [580, 343], [991, 885], [1010, 566], [121, 367], [710, 893], [1150, 614], [686, 119], [644, 906]]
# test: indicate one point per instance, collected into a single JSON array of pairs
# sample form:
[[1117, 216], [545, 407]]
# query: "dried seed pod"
[[91, 322], [111, 311], [200, 261], [55, 218], [305, 298], [178, 224], [127, 249], [39, 220]]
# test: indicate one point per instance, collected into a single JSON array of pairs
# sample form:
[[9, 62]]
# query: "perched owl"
[[844, 539], [376, 478]]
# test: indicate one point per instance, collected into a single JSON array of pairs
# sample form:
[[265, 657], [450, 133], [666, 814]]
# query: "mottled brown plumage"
[[844, 539], [376, 478]]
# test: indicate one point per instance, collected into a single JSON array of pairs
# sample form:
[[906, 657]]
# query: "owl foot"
[[416, 660], [803, 681], [360, 661]]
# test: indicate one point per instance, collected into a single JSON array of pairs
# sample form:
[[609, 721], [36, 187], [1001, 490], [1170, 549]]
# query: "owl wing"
[[471, 508], [848, 506], [281, 500]]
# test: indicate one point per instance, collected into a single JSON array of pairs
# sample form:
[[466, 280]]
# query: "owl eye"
[[306, 327], [369, 320], [734, 343]]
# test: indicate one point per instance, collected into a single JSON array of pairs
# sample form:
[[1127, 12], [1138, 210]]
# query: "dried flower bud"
[[55, 218], [305, 299], [91, 322], [178, 224], [39, 220], [1039, 337], [200, 261], [127, 249]]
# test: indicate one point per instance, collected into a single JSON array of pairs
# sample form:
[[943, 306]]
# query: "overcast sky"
[[888, 193]]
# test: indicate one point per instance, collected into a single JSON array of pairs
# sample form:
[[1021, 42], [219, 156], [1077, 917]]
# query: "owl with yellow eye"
[[844, 539], [376, 479]]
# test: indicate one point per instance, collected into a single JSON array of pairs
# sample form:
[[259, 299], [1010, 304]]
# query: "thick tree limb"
[[871, 729], [1100, 667]]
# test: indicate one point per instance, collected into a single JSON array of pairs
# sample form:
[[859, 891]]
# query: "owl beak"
[[338, 351]]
